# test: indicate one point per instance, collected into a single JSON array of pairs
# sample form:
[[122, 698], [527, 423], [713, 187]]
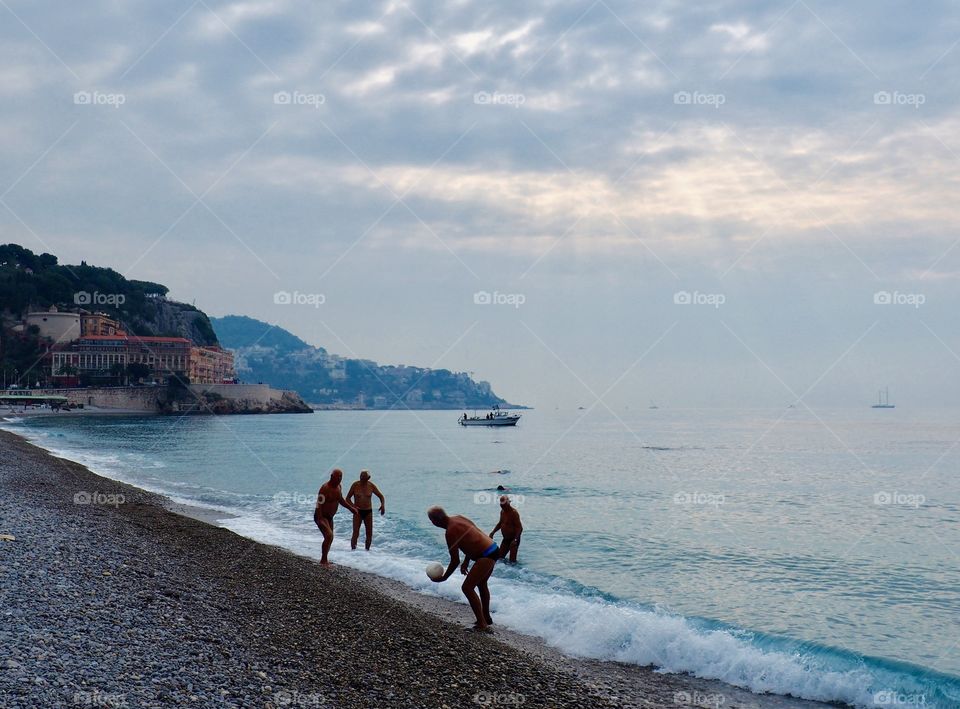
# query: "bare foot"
[[326, 563]]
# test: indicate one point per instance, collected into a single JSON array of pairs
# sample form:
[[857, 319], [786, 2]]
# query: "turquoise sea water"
[[813, 555]]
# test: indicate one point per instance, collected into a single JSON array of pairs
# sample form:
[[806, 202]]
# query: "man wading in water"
[[511, 527], [329, 499], [361, 495]]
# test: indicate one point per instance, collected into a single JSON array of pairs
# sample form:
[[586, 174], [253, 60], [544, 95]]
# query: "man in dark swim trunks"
[[361, 495], [463, 535], [329, 499], [511, 527]]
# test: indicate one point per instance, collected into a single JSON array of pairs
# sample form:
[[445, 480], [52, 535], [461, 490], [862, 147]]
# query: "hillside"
[[29, 281], [270, 354]]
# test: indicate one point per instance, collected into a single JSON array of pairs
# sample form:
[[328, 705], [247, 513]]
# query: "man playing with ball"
[[463, 535]]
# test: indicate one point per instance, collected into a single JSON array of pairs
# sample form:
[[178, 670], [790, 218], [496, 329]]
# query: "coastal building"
[[211, 365], [101, 355], [99, 324], [54, 325], [165, 357]]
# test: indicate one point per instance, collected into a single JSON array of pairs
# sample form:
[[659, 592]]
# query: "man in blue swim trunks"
[[463, 535]]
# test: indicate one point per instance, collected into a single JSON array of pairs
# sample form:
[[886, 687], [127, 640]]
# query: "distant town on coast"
[[79, 327]]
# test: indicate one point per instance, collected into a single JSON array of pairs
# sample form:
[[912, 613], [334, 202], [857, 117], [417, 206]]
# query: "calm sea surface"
[[783, 551]]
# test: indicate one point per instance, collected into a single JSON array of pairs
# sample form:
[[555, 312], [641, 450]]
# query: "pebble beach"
[[109, 598]]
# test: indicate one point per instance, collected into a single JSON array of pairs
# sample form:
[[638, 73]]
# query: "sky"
[[604, 204]]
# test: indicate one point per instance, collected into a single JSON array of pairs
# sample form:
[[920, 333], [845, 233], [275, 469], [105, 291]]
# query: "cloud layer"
[[597, 157]]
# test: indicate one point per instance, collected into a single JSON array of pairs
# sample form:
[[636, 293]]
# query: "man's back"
[[465, 535]]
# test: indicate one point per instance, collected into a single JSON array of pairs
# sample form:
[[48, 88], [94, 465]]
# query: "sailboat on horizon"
[[883, 400]]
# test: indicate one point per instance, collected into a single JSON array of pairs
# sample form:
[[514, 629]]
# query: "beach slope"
[[110, 599]]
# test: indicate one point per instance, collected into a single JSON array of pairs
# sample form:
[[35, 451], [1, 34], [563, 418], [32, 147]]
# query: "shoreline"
[[86, 411], [306, 610]]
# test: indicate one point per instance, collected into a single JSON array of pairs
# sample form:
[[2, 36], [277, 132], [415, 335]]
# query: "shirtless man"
[[511, 528], [361, 495], [329, 499], [463, 535]]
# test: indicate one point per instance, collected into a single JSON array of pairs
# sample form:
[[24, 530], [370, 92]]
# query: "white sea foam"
[[599, 629]]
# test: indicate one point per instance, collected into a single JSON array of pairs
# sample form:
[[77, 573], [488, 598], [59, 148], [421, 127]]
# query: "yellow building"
[[98, 324], [210, 365]]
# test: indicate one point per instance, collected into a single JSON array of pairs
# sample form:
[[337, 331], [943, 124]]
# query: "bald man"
[[511, 527], [361, 495], [463, 535], [329, 499]]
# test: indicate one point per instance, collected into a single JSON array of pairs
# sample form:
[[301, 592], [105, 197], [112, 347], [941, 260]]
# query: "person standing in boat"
[[361, 496]]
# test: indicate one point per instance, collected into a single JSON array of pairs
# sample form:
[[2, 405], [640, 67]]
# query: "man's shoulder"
[[456, 522]]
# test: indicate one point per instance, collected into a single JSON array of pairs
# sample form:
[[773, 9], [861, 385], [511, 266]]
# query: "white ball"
[[435, 571]]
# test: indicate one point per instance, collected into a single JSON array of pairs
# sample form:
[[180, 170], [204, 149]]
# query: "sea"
[[812, 554]]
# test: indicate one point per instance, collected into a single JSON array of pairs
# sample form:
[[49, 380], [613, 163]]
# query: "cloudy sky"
[[717, 203]]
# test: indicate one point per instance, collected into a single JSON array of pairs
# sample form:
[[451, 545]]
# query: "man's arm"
[[496, 529], [351, 493], [454, 562], [347, 504], [383, 500]]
